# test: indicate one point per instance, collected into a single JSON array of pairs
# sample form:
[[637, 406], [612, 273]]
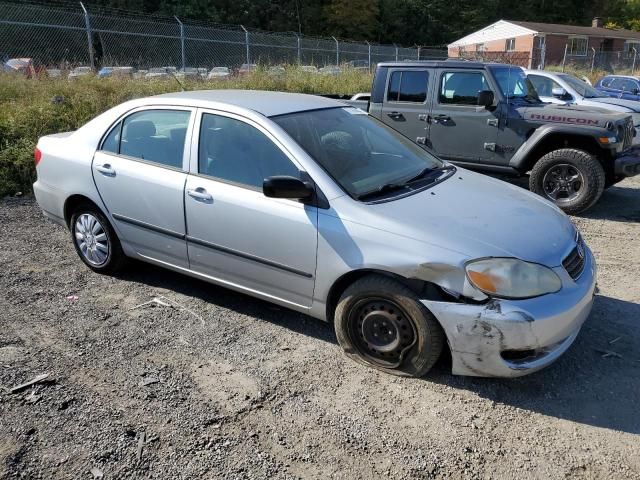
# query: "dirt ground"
[[213, 384]]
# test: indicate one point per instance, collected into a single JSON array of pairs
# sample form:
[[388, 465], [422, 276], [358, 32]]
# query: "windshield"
[[363, 156], [582, 88], [513, 83]]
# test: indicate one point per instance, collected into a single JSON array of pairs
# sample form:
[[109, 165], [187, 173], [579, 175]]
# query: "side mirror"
[[485, 98], [281, 186], [559, 92]]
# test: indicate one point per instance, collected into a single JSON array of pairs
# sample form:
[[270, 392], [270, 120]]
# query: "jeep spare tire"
[[573, 179]]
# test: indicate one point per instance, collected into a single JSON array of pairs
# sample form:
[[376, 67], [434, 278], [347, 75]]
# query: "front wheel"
[[573, 179], [381, 323]]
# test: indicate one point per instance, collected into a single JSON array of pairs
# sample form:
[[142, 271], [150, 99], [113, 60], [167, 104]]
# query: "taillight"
[[37, 155]]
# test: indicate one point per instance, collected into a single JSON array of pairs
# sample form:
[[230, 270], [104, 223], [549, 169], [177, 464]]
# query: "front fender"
[[519, 161]]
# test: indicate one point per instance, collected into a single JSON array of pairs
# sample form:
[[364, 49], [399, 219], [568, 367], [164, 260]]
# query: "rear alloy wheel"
[[95, 241], [573, 179], [381, 323]]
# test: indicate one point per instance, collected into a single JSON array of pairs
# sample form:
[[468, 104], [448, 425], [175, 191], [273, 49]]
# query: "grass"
[[31, 108]]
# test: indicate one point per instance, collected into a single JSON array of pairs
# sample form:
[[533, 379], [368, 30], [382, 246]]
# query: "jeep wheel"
[[381, 323], [574, 180]]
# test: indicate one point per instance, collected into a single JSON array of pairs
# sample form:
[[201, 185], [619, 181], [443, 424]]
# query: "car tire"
[[558, 168], [95, 240], [381, 323]]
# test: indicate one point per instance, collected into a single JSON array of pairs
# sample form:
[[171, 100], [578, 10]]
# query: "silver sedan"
[[315, 206]]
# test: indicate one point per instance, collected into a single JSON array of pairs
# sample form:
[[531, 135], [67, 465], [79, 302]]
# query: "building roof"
[[578, 30], [265, 102], [503, 29]]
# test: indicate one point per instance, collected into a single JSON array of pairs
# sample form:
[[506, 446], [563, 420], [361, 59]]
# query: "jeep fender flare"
[[521, 158]]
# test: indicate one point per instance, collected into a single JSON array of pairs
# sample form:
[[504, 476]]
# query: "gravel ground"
[[214, 384]]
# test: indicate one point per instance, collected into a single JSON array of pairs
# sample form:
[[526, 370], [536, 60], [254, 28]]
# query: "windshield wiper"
[[387, 187]]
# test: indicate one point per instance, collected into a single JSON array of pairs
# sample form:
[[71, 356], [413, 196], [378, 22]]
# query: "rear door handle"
[[106, 170], [200, 194], [395, 115]]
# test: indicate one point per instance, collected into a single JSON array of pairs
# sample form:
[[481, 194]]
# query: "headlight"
[[512, 278]]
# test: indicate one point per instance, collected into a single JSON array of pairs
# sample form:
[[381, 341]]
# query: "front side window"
[[624, 84], [513, 83], [577, 46], [361, 154], [236, 152], [408, 86], [156, 136], [461, 88], [582, 88], [543, 85]]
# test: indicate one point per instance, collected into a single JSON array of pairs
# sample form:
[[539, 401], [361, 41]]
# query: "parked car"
[[80, 72], [246, 68], [304, 202], [25, 66], [276, 71], [330, 70], [192, 73], [565, 89], [309, 68], [115, 72], [361, 65], [160, 72], [620, 86], [219, 73], [489, 117]]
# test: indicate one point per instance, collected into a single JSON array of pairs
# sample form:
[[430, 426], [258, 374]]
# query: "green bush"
[[31, 108]]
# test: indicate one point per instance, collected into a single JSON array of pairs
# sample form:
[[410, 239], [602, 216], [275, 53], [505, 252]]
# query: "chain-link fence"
[[74, 35], [620, 62]]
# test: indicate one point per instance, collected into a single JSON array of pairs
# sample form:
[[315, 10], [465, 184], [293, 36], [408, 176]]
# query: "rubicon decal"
[[562, 119]]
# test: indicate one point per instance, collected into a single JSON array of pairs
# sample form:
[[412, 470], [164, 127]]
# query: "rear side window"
[[236, 152], [408, 86], [112, 142], [461, 88], [156, 136]]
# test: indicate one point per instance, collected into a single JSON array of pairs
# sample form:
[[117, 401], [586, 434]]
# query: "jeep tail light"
[[37, 155]]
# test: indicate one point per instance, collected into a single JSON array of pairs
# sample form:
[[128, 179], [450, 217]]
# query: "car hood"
[[572, 114], [477, 216], [630, 104]]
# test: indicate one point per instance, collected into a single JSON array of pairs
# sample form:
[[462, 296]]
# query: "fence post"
[[564, 58], [418, 52], [635, 54], [593, 60], [369, 56], [337, 51], [181, 42], [246, 42], [396, 47], [87, 25], [299, 50]]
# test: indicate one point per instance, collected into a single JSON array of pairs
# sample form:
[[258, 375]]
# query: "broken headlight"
[[512, 278]]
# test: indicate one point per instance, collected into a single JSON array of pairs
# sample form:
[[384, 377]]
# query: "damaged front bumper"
[[511, 338]]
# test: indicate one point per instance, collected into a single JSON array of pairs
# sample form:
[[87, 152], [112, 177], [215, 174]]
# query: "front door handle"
[[106, 170], [395, 115], [200, 194]]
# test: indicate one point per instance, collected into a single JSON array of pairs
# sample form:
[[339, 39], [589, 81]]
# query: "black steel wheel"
[[381, 323], [573, 179]]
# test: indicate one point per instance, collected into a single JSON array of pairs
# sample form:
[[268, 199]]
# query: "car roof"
[[633, 77], [450, 63], [265, 102]]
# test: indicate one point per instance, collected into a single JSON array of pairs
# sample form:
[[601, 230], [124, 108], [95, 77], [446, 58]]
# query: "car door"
[[460, 129], [405, 106], [140, 171], [237, 235]]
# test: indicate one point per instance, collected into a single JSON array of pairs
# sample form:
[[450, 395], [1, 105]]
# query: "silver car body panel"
[[293, 254]]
